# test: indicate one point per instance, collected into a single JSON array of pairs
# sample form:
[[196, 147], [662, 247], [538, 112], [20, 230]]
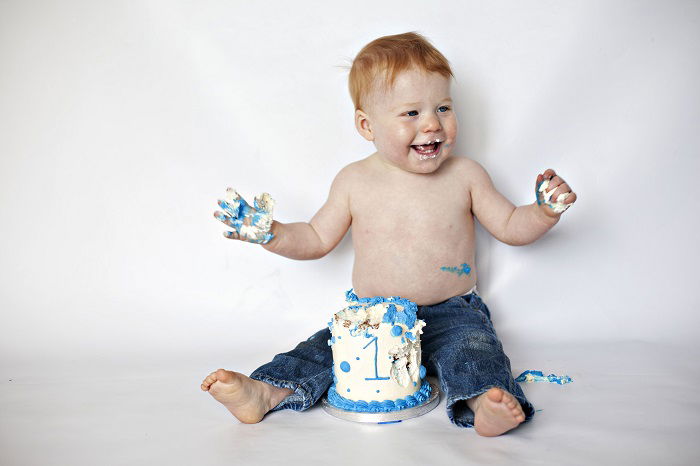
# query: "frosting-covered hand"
[[553, 194], [251, 224]]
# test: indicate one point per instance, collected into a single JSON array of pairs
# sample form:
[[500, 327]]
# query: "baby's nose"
[[431, 123]]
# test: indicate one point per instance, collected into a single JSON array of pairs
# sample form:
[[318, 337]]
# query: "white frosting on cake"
[[375, 360]]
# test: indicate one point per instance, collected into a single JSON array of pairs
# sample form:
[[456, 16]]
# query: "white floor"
[[630, 403]]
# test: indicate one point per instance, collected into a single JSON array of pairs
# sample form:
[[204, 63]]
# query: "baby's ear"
[[363, 125]]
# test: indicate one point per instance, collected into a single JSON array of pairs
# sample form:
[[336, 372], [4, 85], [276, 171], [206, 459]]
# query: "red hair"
[[387, 57]]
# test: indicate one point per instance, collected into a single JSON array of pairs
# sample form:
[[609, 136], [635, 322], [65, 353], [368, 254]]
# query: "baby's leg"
[[460, 346], [293, 380]]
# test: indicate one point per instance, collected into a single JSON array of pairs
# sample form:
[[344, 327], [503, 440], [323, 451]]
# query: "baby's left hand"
[[549, 200]]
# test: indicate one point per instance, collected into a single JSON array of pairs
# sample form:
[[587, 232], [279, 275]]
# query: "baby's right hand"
[[251, 224]]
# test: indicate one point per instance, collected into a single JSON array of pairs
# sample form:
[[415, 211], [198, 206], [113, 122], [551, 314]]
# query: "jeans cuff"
[[300, 400], [464, 416]]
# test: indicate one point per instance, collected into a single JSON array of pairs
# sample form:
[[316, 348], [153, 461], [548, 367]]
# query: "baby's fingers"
[[554, 182], [230, 221], [232, 209], [549, 174], [561, 189], [222, 217], [232, 234], [241, 235], [264, 203]]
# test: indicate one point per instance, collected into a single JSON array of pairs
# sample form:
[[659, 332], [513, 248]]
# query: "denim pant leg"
[[306, 369], [460, 347]]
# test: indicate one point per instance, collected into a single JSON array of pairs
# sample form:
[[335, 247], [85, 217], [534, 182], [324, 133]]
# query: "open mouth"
[[429, 150]]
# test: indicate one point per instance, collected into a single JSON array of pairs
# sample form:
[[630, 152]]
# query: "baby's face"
[[412, 124]]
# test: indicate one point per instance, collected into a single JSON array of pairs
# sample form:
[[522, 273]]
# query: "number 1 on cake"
[[376, 350]]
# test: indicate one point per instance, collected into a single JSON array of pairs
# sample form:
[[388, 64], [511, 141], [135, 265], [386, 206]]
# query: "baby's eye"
[[443, 109], [412, 113]]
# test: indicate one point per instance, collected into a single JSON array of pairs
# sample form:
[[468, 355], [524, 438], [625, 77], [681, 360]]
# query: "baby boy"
[[411, 206]]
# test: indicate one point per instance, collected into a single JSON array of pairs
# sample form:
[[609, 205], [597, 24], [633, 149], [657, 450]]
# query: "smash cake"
[[377, 355]]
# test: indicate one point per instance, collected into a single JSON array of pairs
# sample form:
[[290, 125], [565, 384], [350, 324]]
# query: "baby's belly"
[[426, 270]]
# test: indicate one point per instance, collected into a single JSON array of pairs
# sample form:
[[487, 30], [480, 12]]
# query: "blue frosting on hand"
[[538, 195], [240, 210]]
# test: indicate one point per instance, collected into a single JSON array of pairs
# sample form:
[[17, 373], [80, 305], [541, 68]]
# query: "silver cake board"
[[386, 417]]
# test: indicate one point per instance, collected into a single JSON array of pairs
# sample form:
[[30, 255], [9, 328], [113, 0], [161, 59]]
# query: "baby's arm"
[[317, 238], [507, 223]]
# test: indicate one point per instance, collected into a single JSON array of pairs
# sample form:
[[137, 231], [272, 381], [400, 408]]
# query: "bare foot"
[[495, 412], [247, 399]]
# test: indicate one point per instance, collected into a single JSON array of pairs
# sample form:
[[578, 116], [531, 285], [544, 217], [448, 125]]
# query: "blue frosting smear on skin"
[[463, 269], [362, 406], [392, 315], [538, 376], [538, 194]]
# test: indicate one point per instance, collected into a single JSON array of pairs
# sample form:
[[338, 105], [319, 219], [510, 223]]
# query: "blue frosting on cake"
[[392, 315], [419, 397]]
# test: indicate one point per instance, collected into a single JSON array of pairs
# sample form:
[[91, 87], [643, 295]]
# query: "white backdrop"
[[121, 123]]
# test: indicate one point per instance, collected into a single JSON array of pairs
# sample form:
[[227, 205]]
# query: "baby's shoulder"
[[464, 168], [356, 172], [348, 177]]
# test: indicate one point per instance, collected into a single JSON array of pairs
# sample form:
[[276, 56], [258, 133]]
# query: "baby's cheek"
[[451, 126], [405, 134]]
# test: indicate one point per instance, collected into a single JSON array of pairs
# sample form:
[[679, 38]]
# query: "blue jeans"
[[459, 346]]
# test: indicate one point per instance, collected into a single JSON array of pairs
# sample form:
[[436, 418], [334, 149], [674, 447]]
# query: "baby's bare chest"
[[431, 208]]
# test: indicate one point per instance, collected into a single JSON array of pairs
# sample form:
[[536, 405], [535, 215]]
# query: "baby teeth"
[[430, 142]]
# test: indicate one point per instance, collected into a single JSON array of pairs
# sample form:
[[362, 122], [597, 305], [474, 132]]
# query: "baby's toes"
[[210, 379]]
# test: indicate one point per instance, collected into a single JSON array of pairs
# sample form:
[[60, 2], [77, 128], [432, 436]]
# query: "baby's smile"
[[429, 150]]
